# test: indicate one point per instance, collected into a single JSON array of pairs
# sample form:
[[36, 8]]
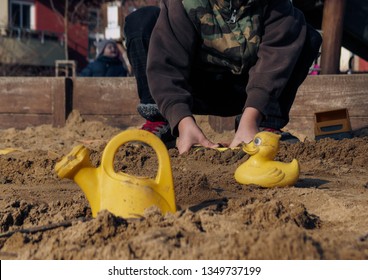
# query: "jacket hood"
[[100, 45]]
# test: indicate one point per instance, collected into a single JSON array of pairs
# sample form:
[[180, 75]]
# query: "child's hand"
[[248, 127], [190, 134]]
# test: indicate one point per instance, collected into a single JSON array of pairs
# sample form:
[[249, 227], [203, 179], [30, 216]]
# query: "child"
[[108, 62], [218, 57]]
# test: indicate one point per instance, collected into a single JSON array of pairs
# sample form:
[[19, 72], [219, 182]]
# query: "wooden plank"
[[102, 96], [27, 94], [62, 102], [22, 121], [329, 92], [332, 28], [317, 94]]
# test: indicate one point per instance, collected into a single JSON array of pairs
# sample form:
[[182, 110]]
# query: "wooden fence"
[[45, 100], [29, 101]]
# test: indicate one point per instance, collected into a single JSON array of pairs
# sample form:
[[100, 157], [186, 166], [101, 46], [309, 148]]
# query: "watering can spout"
[[76, 166]]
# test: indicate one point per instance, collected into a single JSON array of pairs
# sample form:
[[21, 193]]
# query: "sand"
[[323, 216]]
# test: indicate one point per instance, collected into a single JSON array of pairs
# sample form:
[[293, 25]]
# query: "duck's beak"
[[250, 148]]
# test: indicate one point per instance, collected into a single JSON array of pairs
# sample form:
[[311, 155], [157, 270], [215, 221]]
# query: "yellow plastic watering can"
[[122, 194]]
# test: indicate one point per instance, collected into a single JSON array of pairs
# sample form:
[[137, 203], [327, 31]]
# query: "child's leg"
[[137, 30]]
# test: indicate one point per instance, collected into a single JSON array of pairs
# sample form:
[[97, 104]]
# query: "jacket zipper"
[[233, 14]]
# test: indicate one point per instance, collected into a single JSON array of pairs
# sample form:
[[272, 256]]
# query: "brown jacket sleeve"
[[281, 44], [171, 51]]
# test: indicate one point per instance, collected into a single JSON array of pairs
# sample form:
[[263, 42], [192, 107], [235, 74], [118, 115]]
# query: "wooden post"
[[4, 17], [332, 28], [66, 30], [62, 103]]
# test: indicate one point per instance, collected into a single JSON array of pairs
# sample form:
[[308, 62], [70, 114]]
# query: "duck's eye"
[[257, 141]]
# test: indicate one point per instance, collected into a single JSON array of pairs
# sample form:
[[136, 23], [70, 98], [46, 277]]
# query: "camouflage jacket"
[[230, 30], [262, 40]]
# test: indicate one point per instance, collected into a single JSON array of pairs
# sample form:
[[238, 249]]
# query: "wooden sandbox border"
[[49, 100], [30, 101]]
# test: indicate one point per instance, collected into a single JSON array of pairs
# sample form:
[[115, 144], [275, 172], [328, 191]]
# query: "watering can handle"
[[164, 173]]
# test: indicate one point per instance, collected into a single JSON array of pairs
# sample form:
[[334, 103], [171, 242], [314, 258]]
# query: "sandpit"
[[324, 216]]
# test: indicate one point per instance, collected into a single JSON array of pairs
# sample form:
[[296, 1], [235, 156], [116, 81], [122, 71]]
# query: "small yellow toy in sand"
[[7, 151], [122, 194], [261, 168]]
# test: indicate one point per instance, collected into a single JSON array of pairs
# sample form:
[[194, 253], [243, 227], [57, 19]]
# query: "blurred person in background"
[[108, 62]]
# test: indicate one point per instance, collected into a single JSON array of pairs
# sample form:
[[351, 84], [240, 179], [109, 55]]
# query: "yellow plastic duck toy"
[[261, 169], [122, 194]]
